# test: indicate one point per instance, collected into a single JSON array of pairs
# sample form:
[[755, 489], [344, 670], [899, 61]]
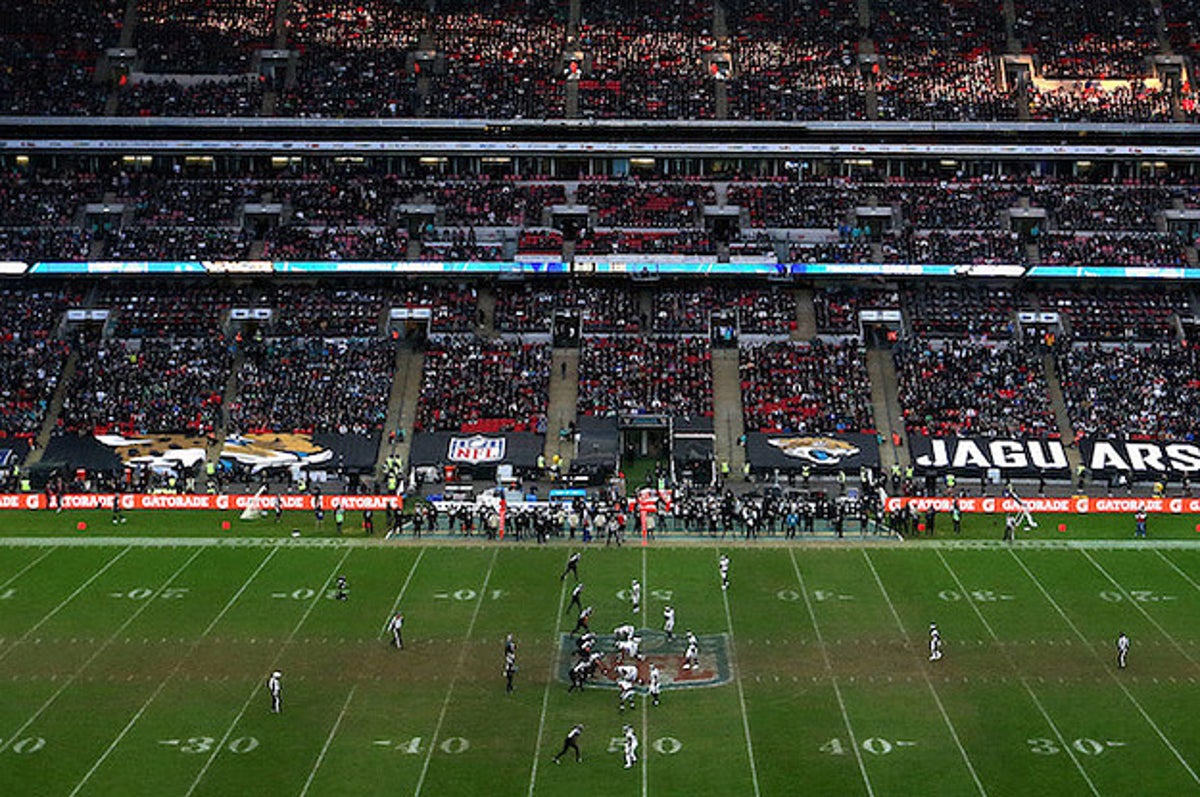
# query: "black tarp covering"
[[80, 451], [355, 452], [792, 452], [599, 444], [521, 449]]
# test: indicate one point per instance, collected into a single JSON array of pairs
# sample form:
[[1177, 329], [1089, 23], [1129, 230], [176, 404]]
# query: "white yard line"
[[64, 602], [554, 653], [320, 593], [737, 679], [203, 634], [146, 604], [462, 657], [1138, 605], [962, 751], [837, 690], [1137, 705], [328, 741], [26, 568], [403, 589], [1175, 567], [1032, 696], [645, 698]]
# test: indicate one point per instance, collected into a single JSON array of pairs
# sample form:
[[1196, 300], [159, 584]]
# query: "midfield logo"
[[714, 667]]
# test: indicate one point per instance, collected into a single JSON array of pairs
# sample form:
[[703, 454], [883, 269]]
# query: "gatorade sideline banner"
[[975, 455], [135, 501], [1076, 505]]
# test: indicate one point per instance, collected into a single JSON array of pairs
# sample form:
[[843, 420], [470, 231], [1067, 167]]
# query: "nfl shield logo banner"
[[476, 450]]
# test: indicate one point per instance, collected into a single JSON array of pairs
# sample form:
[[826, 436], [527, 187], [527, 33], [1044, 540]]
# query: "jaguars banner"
[[1141, 459], [975, 455], [795, 452]]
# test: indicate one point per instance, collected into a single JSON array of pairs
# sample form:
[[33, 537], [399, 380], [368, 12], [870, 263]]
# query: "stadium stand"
[[307, 384], [805, 388], [475, 385], [1132, 390], [661, 375], [958, 388]]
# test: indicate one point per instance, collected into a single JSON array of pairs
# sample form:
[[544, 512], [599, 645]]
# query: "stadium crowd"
[[474, 385], [663, 375], [306, 384], [961, 388], [805, 388], [1132, 390], [774, 60]]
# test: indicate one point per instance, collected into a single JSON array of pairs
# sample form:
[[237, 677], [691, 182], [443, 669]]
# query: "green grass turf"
[[139, 670]]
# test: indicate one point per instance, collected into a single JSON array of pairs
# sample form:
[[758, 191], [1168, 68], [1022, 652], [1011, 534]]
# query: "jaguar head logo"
[[817, 450]]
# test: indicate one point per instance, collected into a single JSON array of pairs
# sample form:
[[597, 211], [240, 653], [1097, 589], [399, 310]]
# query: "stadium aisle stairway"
[[728, 422], [402, 405], [1059, 405], [560, 411], [806, 315], [886, 405]]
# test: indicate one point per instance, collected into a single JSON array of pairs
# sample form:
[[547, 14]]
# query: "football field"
[[138, 667]]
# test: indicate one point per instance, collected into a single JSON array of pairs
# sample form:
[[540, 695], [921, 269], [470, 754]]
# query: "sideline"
[[430, 541]]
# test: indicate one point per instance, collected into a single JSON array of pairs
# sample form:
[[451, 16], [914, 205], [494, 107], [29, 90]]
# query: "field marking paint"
[[537, 750], [403, 589], [4, 653], [254, 691], [1032, 695], [646, 698], [96, 654], [26, 568], [1138, 605], [962, 751], [462, 657], [1170, 564], [1136, 704], [163, 685], [328, 741], [737, 679], [837, 690]]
